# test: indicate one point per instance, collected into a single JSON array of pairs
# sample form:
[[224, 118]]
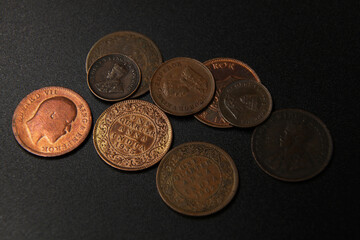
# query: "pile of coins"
[[194, 178]]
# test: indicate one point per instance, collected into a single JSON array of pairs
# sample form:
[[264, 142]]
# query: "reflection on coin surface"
[[135, 45], [51, 121], [132, 135], [292, 145], [197, 179], [114, 77], [245, 103], [225, 71], [182, 86]]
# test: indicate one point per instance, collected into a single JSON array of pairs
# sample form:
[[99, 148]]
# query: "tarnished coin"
[[135, 45], [132, 135], [225, 71], [292, 145], [182, 86], [245, 103], [197, 179], [51, 121], [114, 77]]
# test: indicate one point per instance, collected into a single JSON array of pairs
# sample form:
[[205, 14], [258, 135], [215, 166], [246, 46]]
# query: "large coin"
[[114, 77], [51, 121], [245, 103], [182, 86], [225, 71], [292, 145], [197, 179], [132, 135], [132, 44]]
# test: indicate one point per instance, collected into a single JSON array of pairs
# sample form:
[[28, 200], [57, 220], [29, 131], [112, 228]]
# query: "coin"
[[292, 145], [135, 45], [51, 121], [225, 71], [182, 86], [132, 135], [197, 178], [245, 103], [113, 77]]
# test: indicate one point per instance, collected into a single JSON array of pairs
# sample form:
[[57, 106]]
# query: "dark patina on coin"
[[114, 77], [225, 71], [292, 145], [197, 179], [245, 103]]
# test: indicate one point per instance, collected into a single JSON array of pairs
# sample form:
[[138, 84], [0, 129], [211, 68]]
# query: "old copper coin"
[[182, 86], [114, 77], [225, 71], [51, 121], [245, 103], [197, 179], [292, 145], [135, 45], [132, 135]]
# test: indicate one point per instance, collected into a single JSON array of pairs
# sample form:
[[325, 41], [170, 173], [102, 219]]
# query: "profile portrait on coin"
[[114, 80], [52, 119]]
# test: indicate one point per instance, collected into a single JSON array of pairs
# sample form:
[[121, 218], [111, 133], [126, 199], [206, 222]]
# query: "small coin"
[[292, 145], [182, 86], [132, 135], [51, 121], [245, 103], [114, 77], [225, 71], [197, 179], [135, 45]]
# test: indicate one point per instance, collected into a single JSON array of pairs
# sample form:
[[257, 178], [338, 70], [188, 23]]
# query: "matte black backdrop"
[[306, 53]]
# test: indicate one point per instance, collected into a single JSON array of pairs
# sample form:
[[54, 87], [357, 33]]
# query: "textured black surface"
[[306, 54]]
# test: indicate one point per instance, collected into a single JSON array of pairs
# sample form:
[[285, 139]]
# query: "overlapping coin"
[[197, 179], [51, 121], [132, 135], [292, 145]]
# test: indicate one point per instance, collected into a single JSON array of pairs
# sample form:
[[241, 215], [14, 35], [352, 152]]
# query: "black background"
[[305, 53]]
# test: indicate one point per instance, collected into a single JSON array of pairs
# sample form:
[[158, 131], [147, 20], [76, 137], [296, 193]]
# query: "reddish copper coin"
[[182, 86], [51, 121], [292, 145], [197, 179], [225, 71]]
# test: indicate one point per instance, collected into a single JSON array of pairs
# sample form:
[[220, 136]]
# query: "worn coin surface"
[[225, 71], [245, 103], [51, 121], [292, 145], [114, 77], [135, 45], [182, 86], [132, 135], [197, 178]]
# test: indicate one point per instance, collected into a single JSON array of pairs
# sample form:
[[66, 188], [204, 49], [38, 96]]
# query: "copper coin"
[[197, 179], [245, 103], [114, 77], [135, 45], [132, 135], [182, 86], [51, 121], [225, 71], [292, 145]]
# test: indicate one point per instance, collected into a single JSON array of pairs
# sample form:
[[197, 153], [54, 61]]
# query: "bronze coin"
[[245, 103], [132, 135], [197, 179], [225, 71], [292, 145], [182, 86], [113, 77], [135, 45], [51, 121]]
